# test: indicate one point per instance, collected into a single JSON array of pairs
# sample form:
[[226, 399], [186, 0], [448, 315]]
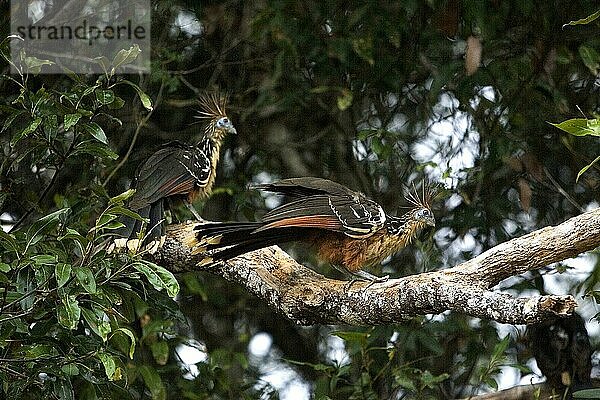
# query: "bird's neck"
[[398, 226], [211, 146]]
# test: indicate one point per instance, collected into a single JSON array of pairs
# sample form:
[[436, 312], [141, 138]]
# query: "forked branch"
[[307, 297]]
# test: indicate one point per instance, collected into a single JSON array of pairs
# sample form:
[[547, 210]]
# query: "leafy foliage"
[[68, 309]]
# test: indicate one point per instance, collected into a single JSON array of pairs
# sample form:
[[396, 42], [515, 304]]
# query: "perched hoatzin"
[[176, 171], [562, 350], [347, 229]]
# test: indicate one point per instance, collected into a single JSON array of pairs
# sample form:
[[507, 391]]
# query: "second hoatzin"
[[347, 229], [176, 171]]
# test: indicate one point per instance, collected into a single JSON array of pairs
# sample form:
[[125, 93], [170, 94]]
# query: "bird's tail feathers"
[[147, 235], [224, 241]]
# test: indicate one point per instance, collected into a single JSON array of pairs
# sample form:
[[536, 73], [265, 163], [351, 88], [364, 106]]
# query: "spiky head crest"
[[212, 105], [428, 192], [420, 203], [212, 109]]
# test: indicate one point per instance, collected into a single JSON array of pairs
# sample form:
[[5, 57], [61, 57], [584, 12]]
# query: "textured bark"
[[307, 297]]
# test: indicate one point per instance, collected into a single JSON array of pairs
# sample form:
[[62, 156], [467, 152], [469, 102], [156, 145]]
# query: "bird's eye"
[[222, 122], [424, 213]]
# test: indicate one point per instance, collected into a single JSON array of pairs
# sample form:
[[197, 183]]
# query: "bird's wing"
[[355, 216], [169, 171], [306, 186]]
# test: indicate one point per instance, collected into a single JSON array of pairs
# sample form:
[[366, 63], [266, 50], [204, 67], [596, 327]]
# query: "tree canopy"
[[374, 95]]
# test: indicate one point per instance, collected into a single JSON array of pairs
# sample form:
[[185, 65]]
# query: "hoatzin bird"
[[562, 350], [347, 229], [176, 171]]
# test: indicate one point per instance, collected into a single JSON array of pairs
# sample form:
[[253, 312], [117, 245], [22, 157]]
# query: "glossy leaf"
[[68, 312], [62, 272], [153, 382], [110, 367], [96, 131], [584, 21], [70, 120], [27, 131], [85, 277], [159, 277]]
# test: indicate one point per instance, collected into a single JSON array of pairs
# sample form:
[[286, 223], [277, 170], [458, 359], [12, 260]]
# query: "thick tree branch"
[[307, 297]]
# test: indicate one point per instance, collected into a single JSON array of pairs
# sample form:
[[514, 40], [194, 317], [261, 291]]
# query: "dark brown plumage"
[[176, 171], [346, 228]]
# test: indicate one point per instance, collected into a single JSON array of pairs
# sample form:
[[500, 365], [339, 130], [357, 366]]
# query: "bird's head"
[[421, 213], [212, 110], [423, 216]]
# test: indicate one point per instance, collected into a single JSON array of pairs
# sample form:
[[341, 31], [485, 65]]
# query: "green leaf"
[[352, 336], [44, 259], [501, 347], [70, 120], [158, 277], [85, 113], [69, 312], [160, 352], [8, 241], [110, 367], [120, 198], [62, 272], [44, 224], [105, 96], [580, 126], [96, 149], [590, 58], [39, 350], [585, 20], [491, 382], [146, 102], [431, 380], [9, 120], [72, 234], [98, 322], [51, 125], [4, 267], [586, 168], [70, 369], [104, 220], [125, 211], [34, 64], [345, 99], [132, 339], [153, 382], [364, 48], [89, 90], [587, 394], [28, 130], [103, 62], [117, 104], [96, 131], [85, 277], [402, 379], [42, 275], [125, 57]]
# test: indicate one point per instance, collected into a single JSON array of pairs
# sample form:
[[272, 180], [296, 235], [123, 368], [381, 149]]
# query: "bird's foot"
[[365, 276], [193, 211]]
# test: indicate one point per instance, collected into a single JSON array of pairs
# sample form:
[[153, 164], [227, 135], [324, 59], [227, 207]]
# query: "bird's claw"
[[364, 276]]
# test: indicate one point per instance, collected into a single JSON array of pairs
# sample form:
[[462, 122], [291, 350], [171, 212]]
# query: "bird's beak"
[[232, 130], [431, 222]]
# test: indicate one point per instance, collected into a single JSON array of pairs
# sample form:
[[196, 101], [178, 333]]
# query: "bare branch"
[[307, 297]]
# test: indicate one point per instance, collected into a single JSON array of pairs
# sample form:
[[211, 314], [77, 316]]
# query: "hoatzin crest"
[[347, 229], [176, 171]]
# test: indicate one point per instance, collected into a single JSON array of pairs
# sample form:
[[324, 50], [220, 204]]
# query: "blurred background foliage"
[[374, 95]]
